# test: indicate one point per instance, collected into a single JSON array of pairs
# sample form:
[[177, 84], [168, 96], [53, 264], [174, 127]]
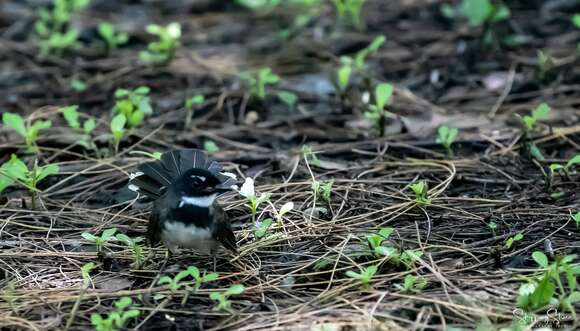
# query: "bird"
[[184, 185]]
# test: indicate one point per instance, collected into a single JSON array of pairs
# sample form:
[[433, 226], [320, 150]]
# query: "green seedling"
[[421, 190], [210, 147], [409, 256], [492, 226], [26, 128], [485, 14], [53, 27], [576, 219], [133, 104], [86, 273], [529, 121], [322, 190], [357, 64], [118, 130], [262, 228], [288, 98], [116, 320], [16, 171], [201, 279], [222, 298], [413, 284], [191, 104], [545, 64], [548, 288], [511, 240], [78, 85], [162, 51], [554, 167], [111, 36], [133, 243], [310, 156], [253, 201], [377, 112], [175, 283], [365, 276], [349, 11], [287, 207], [100, 241], [376, 240], [83, 132], [258, 81], [446, 136]]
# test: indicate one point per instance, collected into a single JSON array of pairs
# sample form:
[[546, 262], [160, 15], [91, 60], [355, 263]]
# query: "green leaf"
[[210, 147], [89, 126], [535, 152], [447, 11], [124, 238], [386, 232], [386, 251], [196, 100], [343, 77], [216, 296], [123, 303], [235, 289], [88, 236], [16, 122], [477, 11], [96, 319], [502, 12], [121, 93], [263, 228], [383, 94], [210, 277], [164, 280], [540, 259], [288, 98], [118, 124], [16, 169], [108, 234], [193, 271], [181, 275], [576, 20], [573, 161], [541, 111], [71, 116], [48, 170], [353, 274]]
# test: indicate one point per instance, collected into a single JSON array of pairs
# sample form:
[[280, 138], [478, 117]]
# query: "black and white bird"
[[184, 185]]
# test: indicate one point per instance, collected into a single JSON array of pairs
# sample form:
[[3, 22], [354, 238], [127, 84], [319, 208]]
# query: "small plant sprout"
[[136, 248], [25, 128], [357, 64], [258, 81], [576, 218], [86, 273], [529, 121], [210, 147], [554, 167], [78, 85], [576, 21], [201, 279], [421, 190], [485, 14], [545, 64], [310, 156], [118, 130], [175, 283], [511, 240], [287, 207], [446, 136], [548, 288], [116, 320], [262, 228], [100, 241], [133, 104], [289, 98], [222, 298], [16, 171], [492, 226], [83, 131], [162, 51], [365, 276], [349, 11], [253, 202], [53, 27], [191, 104], [111, 36], [377, 113], [322, 190], [413, 284], [376, 240]]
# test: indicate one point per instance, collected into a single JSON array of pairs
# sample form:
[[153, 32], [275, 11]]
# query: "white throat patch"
[[205, 201]]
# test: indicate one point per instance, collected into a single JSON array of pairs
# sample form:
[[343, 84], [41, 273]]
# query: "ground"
[[492, 200]]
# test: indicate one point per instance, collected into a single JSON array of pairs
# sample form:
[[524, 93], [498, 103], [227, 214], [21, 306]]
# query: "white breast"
[[177, 234]]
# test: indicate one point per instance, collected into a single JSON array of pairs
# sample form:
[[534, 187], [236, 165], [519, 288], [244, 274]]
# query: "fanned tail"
[[153, 178]]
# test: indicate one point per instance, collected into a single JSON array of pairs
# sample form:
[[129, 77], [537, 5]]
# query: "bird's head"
[[200, 183]]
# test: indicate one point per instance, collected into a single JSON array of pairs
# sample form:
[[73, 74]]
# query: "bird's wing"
[[222, 230]]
